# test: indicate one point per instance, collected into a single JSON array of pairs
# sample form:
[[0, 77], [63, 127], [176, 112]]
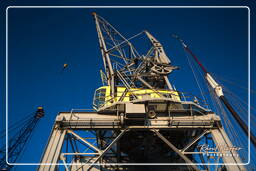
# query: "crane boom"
[[106, 59], [126, 67], [218, 91], [18, 141]]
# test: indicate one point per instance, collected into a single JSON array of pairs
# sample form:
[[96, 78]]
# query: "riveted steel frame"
[[106, 130]]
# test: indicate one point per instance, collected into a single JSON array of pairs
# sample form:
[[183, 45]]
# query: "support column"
[[221, 140], [52, 152]]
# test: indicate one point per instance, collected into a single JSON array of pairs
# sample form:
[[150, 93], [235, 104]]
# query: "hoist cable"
[[191, 67]]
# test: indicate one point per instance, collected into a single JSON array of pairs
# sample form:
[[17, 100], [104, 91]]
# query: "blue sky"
[[42, 40]]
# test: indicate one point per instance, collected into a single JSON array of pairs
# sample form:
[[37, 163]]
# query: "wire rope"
[[195, 76]]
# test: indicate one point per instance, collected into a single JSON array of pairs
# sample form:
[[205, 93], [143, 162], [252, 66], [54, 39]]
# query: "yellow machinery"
[[102, 96]]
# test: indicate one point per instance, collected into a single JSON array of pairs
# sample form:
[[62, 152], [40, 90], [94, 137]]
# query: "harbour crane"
[[138, 117], [18, 141]]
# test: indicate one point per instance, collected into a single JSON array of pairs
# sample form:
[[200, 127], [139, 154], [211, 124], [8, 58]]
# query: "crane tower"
[[138, 118]]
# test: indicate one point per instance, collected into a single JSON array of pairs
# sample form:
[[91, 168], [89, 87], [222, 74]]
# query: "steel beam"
[[187, 160], [221, 140], [106, 149], [194, 140], [53, 149], [91, 165], [90, 120], [86, 142]]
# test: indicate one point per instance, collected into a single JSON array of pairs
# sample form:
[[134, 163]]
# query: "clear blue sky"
[[41, 40]]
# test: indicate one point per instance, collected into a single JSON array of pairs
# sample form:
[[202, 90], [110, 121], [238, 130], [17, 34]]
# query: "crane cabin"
[[102, 97]]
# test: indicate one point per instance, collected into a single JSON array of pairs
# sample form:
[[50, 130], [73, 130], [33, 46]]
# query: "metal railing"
[[103, 100]]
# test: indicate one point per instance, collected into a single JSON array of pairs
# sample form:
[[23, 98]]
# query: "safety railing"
[[103, 100]]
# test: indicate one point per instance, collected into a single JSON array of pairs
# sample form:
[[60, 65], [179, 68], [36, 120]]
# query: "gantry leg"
[[222, 141], [52, 152]]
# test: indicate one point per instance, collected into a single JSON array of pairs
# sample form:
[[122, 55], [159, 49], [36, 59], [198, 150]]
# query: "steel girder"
[[107, 142]]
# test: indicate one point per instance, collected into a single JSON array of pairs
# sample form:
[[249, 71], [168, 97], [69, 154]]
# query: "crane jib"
[[219, 93]]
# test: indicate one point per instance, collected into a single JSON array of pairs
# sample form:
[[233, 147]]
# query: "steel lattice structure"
[[142, 130], [81, 139], [18, 141], [124, 65]]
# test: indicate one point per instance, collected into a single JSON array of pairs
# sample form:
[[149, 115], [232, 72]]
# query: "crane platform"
[[116, 142]]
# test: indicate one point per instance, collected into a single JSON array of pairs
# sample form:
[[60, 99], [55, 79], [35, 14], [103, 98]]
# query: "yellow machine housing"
[[102, 96]]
